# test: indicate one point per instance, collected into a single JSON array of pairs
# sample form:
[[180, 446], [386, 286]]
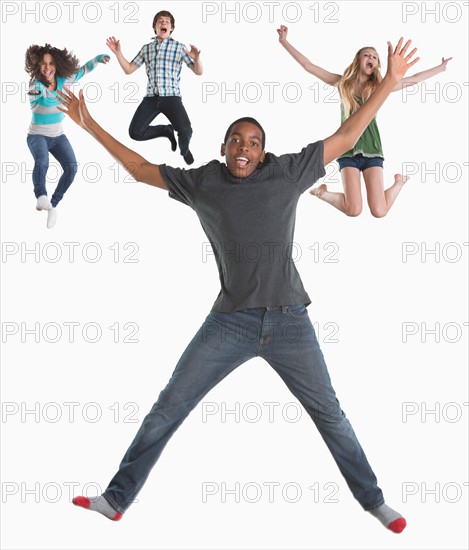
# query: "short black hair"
[[164, 13], [251, 121]]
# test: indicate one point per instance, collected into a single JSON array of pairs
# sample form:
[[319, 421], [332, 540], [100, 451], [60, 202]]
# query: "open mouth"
[[164, 30], [241, 162], [369, 65]]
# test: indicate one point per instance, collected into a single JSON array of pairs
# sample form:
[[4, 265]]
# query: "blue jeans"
[[173, 109], [285, 338], [60, 148]]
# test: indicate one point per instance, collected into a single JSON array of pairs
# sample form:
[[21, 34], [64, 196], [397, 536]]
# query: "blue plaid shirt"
[[163, 63]]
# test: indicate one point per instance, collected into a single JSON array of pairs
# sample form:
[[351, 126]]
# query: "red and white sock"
[[98, 504], [389, 518]]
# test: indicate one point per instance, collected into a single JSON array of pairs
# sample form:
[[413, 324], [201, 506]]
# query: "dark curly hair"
[[66, 63]]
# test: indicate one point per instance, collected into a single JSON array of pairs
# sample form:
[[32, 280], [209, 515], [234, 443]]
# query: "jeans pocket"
[[297, 311]]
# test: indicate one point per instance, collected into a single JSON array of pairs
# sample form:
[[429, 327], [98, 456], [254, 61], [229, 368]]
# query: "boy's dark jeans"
[[173, 109]]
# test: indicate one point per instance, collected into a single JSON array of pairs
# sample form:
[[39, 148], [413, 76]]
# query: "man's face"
[[163, 27], [243, 149]]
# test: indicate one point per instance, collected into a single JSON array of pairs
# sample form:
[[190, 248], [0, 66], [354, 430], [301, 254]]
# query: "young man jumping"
[[163, 61], [259, 301]]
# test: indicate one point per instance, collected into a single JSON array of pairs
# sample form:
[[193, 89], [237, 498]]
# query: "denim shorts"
[[359, 162]]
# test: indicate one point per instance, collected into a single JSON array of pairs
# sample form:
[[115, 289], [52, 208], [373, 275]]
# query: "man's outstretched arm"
[[138, 167], [399, 62]]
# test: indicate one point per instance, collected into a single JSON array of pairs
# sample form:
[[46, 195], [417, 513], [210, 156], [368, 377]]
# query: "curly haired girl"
[[50, 69]]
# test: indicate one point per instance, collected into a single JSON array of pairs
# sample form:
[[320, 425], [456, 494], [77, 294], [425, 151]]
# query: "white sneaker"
[[43, 203], [51, 217]]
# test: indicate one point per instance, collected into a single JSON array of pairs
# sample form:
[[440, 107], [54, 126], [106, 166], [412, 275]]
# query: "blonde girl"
[[355, 86]]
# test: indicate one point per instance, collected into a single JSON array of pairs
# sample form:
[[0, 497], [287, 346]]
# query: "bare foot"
[[399, 178], [319, 190]]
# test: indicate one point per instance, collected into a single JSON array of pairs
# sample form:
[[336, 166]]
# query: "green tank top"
[[369, 143]]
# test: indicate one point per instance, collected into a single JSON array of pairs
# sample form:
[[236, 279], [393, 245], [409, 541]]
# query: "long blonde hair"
[[346, 84]]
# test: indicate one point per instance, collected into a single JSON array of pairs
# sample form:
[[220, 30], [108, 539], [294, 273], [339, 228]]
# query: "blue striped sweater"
[[47, 119]]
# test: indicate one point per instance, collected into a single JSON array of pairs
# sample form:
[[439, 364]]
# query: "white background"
[[389, 374]]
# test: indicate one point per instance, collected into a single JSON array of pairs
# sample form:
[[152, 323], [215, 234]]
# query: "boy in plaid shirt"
[[163, 60]]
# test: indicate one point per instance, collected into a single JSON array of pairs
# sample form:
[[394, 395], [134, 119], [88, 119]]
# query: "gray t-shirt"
[[250, 224]]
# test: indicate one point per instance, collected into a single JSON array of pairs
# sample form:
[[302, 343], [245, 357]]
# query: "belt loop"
[[284, 309]]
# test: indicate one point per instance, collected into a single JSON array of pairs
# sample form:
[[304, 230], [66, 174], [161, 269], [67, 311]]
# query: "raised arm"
[[136, 165], [399, 62], [90, 66], [194, 54], [423, 75], [318, 72], [115, 46]]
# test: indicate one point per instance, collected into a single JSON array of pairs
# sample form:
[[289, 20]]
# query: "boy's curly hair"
[[66, 63]]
